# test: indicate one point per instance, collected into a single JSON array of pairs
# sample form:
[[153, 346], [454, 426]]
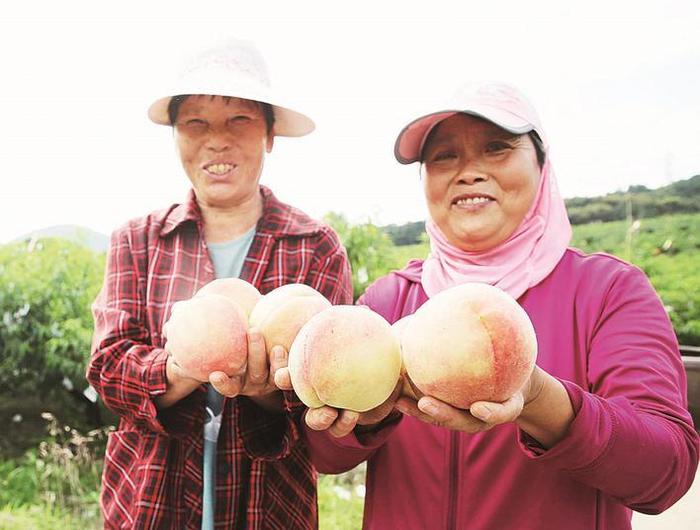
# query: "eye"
[[194, 126], [442, 156], [239, 120], [497, 147]]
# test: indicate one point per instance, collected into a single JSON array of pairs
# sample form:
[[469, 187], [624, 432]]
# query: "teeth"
[[473, 200], [219, 168]]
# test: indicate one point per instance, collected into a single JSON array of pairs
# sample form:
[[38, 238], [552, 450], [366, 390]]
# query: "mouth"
[[219, 170], [472, 201]]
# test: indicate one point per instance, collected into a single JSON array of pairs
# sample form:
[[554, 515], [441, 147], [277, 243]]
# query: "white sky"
[[617, 84]]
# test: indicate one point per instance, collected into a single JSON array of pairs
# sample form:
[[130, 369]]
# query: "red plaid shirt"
[[153, 463]]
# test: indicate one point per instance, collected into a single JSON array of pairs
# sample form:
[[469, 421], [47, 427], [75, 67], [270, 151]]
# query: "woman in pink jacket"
[[601, 427]]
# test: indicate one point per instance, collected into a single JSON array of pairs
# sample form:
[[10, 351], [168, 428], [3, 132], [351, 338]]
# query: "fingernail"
[[482, 411], [428, 408], [278, 353]]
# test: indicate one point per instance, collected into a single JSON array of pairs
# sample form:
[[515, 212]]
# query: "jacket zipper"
[[453, 480]]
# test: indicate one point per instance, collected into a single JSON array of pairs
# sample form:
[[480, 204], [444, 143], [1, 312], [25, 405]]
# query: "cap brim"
[[409, 144], [288, 122]]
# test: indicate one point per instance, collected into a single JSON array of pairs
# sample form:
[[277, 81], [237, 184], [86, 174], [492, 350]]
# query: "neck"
[[223, 223]]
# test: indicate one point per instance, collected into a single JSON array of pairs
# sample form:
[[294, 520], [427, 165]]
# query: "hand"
[[340, 422], [258, 377], [481, 416]]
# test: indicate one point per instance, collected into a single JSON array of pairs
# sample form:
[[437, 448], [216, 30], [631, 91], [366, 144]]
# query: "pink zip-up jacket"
[[603, 332]]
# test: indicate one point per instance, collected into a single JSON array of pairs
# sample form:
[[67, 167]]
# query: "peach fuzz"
[[239, 291], [347, 357], [280, 314], [207, 334], [469, 343]]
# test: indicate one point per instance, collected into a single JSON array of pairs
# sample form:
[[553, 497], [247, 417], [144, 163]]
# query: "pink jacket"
[[604, 333]]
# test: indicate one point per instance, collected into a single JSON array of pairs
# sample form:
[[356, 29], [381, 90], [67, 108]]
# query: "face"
[[222, 145], [479, 181]]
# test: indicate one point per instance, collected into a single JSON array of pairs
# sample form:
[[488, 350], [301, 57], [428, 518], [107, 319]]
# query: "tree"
[[369, 250], [46, 288]]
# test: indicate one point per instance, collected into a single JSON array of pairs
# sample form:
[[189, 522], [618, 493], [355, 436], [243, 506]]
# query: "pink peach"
[[469, 343], [207, 334], [280, 314], [239, 291]]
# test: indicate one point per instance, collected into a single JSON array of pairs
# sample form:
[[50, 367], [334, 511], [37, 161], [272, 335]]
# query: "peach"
[[239, 291], [207, 334], [280, 314], [469, 343], [407, 387], [346, 357]]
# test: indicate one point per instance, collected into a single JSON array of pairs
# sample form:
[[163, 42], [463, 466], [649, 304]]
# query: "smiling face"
[[222, 144], [479, 181]]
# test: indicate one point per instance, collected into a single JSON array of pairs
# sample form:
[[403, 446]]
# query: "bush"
[[46, 288], [369, 250]]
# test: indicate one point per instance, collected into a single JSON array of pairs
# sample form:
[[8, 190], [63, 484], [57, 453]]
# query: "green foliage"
[[679, 197], [341, 500], [369, 250], [59, 480], [667, 248], [46, 288], [405, 234]]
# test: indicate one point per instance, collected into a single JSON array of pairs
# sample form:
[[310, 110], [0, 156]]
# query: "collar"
[[278, 219]]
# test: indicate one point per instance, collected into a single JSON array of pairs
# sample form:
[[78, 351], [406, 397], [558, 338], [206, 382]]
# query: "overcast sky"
[[617, 84]]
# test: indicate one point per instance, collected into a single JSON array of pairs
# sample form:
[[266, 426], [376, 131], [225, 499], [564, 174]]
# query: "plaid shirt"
[[153, 463]]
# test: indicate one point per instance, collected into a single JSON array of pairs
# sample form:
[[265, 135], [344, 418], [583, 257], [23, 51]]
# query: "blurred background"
[[616, 86]]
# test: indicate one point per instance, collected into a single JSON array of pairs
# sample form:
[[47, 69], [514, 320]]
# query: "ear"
[[270, 142]]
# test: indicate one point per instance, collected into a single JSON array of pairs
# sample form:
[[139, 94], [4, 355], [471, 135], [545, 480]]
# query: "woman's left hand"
[[481, 416]]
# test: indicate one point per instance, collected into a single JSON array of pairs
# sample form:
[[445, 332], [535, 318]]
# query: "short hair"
[[176, 101]]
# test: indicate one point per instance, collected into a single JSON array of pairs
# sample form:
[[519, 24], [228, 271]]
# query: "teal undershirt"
[[228, 261]]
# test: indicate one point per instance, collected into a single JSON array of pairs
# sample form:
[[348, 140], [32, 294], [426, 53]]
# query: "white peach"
[[347, 357]]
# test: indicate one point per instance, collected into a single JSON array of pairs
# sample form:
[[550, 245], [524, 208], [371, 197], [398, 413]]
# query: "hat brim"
[[411, 140], [288, 122]]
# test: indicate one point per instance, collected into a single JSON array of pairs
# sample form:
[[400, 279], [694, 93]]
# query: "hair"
[[536, 141], [176, 101]]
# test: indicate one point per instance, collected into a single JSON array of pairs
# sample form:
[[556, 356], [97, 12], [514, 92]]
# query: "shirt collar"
[[278, 219]]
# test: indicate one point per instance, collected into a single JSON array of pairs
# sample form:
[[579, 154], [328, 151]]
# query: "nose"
[[218, 141], [470, 172]]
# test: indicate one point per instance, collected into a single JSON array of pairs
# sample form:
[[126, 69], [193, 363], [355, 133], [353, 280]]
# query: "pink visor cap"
[[499, 103]]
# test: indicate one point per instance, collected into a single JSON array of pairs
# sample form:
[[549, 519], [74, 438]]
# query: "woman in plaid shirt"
[[259, 474]]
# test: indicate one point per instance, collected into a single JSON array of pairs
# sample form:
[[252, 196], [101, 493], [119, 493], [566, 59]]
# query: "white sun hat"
[[236, 69], [500, 103]]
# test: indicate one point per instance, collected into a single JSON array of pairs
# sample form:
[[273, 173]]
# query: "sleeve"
[[271, 436], [125, 370], [632, 437], [336, 455]]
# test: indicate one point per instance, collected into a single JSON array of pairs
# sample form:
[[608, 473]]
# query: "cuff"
[[267, 435], [156, 383], [587, 439]]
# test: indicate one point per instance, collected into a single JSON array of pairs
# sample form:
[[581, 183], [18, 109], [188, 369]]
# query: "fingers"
[[321, 418], [497, 413], [344, 424], [278, 361], [257, 366], [283, 381], [440, 414], [337, 422], [225, 385]]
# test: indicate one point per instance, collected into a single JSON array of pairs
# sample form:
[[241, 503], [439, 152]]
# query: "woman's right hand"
[[340, 422]]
